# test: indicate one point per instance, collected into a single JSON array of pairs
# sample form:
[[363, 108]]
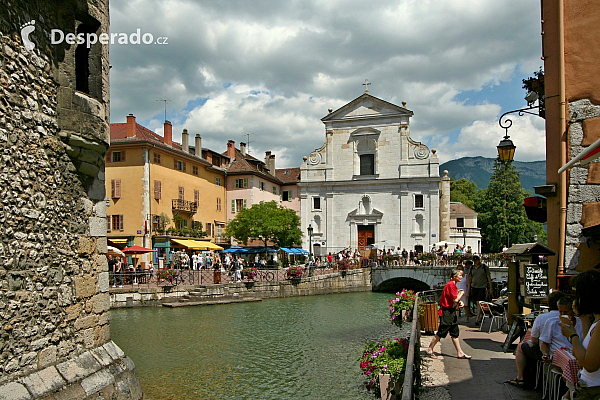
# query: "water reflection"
[[292, 348]]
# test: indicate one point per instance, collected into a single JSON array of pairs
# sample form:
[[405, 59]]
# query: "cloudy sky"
[[271, 69]]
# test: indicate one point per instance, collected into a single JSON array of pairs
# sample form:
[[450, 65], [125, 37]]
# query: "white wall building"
[[371, 182]]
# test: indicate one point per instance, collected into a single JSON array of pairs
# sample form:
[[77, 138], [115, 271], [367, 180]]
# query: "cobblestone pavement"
[[448, 377]]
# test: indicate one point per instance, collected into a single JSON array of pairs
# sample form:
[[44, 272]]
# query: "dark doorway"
[[366, 236]]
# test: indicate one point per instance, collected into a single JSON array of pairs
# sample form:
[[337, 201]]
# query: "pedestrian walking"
[[449, 303]]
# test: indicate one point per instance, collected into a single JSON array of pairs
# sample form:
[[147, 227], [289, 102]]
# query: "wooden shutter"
[[245, 205], [245, 182], [233, 206], [120, 218], [197, 197], [183, 166], [108, 157], [157, 190], [122, 155], [115, 186], [109, 223], [181, 193]]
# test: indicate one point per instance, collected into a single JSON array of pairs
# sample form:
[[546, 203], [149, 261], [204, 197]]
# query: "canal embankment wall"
[[358, 280]]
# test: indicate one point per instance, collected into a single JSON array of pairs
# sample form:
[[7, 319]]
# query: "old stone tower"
[[54, 131]]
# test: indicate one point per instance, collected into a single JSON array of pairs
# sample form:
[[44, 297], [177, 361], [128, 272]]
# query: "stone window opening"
[[366, 151], [460, 222], [419, 201], [88, 63]]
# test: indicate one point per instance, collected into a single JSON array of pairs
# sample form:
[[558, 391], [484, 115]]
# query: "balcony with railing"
[[179, 205]]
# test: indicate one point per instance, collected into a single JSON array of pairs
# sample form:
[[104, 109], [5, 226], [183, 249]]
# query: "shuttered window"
[[181, 193], [157, 190], [117, 222], [115, 188], [197, 197]]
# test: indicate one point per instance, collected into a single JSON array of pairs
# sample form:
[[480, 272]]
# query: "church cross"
[[366, 84]]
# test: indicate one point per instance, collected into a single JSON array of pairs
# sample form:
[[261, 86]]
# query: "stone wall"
[[584, 187], [338, 282], [54, 301]]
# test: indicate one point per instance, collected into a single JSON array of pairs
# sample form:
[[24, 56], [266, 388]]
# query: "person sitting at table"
[[528, 353], [552, 338], [586, 350]]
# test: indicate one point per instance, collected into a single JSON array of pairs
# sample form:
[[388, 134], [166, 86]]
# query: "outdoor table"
[[564, 359]]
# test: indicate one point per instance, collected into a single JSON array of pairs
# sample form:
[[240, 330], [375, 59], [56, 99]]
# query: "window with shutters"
[[156, 158], [116, 222], [286, 195], [157, 190], [261, 185], [238, 205], [194, 170], [209, 229], [241, 183], [108, 223], [218, 181], [218, 204], [274, 189], [179, 165], [181, 193], [197, 197], [115, 188]]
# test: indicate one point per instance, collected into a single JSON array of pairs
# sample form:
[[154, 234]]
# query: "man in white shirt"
[[552, 338], [529, 352]]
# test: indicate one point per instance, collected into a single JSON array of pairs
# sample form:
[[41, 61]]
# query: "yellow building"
[[158, 190]]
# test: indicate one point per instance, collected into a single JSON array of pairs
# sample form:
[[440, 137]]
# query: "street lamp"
[[464, 232], [310, 232], [506, 149]]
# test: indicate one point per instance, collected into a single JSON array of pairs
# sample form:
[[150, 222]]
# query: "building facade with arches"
[[371, 183]]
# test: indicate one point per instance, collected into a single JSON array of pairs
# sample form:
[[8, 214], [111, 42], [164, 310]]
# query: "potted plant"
[[295, 272], [168, 275], [384, 362], [344, 264], [250, 272], [401, 306]]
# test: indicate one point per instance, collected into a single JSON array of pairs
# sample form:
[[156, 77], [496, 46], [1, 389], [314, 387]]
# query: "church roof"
[[382, 108]]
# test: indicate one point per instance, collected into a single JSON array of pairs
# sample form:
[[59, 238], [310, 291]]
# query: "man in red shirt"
[[449, 303]]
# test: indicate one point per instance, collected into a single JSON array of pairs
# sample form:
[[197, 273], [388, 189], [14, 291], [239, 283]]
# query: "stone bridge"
[[418, 278]]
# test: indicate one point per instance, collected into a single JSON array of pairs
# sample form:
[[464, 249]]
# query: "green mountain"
[[480, 169]]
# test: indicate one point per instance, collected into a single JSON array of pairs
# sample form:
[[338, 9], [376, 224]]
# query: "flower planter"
[[390, 390]]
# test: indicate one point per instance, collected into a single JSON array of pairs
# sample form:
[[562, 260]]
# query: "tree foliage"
[[502, 217], [463, 191], [266, 221]]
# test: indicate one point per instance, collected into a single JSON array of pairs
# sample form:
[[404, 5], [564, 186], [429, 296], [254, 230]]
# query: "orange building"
[[571, 50], [156, 187]]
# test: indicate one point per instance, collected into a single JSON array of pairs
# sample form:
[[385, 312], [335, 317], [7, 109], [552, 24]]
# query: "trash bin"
[[429, 321], [217, 276]]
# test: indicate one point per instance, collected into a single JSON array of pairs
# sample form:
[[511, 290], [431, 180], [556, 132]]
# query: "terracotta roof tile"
[[460, 208], [288, 175]]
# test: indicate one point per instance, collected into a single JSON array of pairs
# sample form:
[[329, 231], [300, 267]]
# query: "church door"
[[366, 236]]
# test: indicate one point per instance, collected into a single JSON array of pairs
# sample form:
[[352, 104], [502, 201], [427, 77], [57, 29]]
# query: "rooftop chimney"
[[198, 148], [130, 126], [267, 155], [270, 162], [231, 149], [185, 141], [243, 148], [168, 133]]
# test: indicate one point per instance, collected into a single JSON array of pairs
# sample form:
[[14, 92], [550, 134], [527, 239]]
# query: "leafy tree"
[[266, 222], [463, 191], [501, 213]]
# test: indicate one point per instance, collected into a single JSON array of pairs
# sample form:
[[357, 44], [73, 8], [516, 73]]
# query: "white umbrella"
[[385, 243], [114, 251], [443, 243]]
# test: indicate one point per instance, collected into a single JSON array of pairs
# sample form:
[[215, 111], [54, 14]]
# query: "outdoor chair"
[[488, 312]]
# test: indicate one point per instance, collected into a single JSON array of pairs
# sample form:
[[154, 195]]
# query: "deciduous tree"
[[266, 221]]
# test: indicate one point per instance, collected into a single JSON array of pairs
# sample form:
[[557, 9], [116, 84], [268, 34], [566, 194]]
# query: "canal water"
[[290, 348]]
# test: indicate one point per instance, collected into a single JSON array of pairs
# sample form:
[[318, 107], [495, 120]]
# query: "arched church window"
[[367, 149]]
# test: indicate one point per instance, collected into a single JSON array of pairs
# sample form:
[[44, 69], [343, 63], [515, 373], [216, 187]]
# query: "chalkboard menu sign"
[[536, 282]]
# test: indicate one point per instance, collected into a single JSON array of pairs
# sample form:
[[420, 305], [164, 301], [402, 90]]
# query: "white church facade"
[[370, 183]]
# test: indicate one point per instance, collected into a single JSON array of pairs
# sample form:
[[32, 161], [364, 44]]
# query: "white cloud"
[[274, 68]]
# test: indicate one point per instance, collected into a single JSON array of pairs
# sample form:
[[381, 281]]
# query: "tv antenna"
[[165, 100], [248, 140]]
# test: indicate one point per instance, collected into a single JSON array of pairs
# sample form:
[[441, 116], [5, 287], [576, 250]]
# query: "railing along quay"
[[129, 279], [412, 376]]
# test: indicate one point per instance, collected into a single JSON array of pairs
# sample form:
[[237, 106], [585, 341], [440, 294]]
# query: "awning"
[[118, 240], [293, 250], [197, 244], [585, 157]]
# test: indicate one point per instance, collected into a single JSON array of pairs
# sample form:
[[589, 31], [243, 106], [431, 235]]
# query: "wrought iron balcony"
[[185, 206]]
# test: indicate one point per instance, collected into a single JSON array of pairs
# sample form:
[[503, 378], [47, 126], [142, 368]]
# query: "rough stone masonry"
[[54, 132]]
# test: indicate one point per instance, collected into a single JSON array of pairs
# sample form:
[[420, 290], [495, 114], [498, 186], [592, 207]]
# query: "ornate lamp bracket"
[[506, 123]]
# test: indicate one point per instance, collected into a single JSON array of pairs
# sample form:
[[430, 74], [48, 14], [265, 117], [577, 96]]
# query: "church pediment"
[[373, 214], [367, 106]]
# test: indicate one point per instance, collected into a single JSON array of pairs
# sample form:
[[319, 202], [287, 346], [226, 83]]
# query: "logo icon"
[[26, 30]]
